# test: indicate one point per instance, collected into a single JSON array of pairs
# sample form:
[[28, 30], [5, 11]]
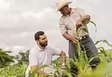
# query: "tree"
[[5, 58], [22, 57]]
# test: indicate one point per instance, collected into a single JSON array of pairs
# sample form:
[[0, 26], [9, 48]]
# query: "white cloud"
[[38, 15], [4, 5]]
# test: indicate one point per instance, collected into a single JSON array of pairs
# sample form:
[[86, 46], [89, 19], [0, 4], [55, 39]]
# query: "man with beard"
[[42, 53]]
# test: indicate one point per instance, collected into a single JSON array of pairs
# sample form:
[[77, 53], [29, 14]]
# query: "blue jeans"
[[90, 48]]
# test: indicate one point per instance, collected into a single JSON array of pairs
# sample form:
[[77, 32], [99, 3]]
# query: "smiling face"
[[43, 41], [65, 10]]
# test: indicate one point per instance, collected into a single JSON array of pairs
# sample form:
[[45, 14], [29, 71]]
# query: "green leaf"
[[88, 21], [85, 29], [104, 41], [102, 50]]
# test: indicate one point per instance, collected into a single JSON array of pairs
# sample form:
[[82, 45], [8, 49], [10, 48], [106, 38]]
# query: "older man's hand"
[[78, 24]]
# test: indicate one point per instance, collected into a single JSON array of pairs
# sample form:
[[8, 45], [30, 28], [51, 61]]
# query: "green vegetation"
[[5, 59]]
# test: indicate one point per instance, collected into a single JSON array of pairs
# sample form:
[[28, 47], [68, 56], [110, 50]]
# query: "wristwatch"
[[63, 64]]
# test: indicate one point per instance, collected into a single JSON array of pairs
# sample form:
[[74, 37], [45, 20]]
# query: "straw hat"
[[61, 3]]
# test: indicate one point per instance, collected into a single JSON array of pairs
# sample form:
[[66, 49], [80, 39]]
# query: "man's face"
[[43, 40], [64, 10]]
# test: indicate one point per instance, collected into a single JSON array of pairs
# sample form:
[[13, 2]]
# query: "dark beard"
[[43, 44]]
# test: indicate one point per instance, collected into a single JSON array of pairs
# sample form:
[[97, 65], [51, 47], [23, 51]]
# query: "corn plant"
[[105, 55], [104, 68], [15, 70], [60, 72], [82, 63], [33, 73]]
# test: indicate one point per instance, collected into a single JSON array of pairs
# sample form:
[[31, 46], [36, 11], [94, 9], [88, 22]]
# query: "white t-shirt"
[[40, 57]]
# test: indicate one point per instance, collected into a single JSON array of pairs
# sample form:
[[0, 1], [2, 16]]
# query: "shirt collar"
[[72, 11], [40, 48]]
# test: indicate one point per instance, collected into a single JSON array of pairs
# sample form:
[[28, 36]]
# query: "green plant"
[[22, 57], [82, 62], [5, 58], [15, 70]]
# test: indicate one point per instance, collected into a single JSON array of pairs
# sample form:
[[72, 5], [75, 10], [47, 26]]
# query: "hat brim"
[[67, 3]]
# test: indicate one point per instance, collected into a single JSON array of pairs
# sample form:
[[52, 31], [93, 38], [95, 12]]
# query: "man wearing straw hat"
[[72, 19]]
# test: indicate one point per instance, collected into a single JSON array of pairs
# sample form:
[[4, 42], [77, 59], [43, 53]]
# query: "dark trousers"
[[90, 48]]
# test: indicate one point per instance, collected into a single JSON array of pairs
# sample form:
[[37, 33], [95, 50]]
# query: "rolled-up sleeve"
[[62, 26], [55, 51], [82, 12]]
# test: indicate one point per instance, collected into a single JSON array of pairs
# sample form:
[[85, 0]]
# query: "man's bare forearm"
[[38, 72], [42, 72], [81, 20], [67, 36], [63, 56], [70, 38], [86, 17]]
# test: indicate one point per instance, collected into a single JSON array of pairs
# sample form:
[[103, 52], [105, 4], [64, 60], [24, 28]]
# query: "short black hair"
[[37, 34]]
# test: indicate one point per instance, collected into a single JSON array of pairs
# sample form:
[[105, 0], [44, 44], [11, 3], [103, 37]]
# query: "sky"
[[21, 19]]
